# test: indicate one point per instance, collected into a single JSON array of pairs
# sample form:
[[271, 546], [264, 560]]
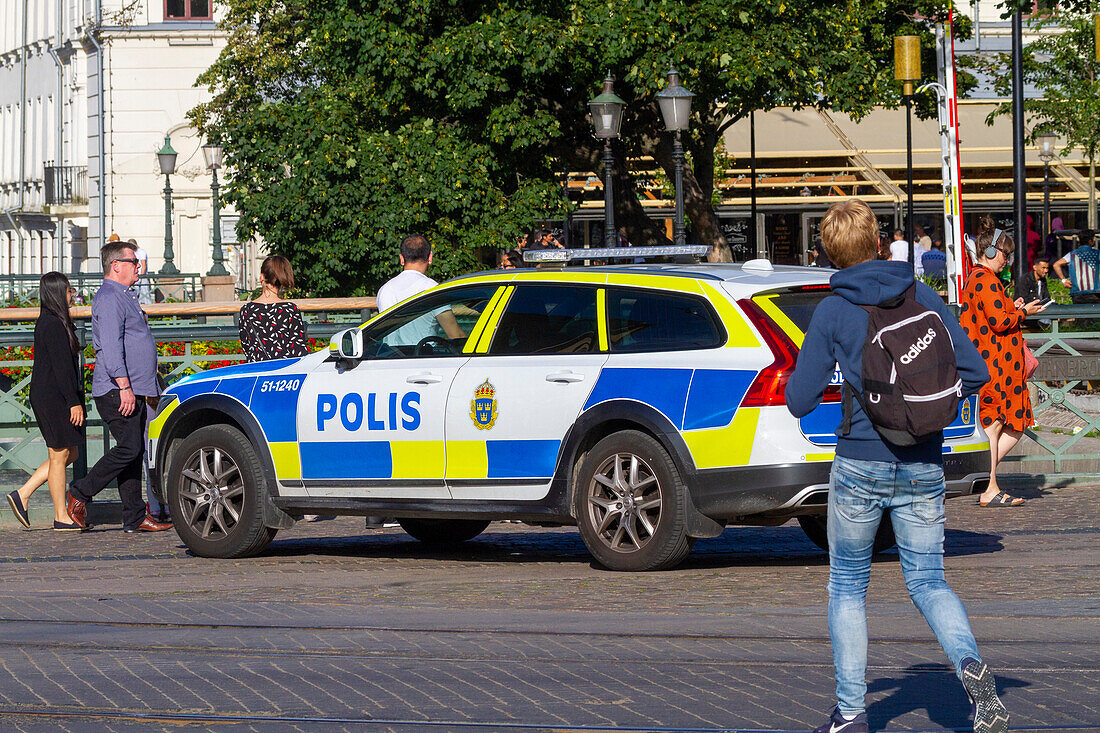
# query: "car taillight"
[[769, 387]]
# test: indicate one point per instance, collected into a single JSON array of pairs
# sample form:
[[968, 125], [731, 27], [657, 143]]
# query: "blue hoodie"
[[836, 335]]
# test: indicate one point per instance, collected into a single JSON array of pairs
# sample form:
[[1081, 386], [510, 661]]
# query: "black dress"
[[272, 331], [56, 386]]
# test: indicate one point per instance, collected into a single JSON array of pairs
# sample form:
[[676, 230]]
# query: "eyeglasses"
[[133, 260]]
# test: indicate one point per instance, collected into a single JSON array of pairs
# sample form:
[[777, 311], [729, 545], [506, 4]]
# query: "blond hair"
[[849, 233]]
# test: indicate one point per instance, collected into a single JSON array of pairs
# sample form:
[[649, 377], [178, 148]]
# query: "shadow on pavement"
[[927, 689], [736, 547]]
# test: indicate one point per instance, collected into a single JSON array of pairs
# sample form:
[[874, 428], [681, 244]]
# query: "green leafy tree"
[[737, 57], [1061, 64], [348, 123]]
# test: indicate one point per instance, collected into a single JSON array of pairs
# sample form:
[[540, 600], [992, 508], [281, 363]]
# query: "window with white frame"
[[188, 10]]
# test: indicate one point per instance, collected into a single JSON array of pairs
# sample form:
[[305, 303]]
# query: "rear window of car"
[[797, 306], [648, 320]]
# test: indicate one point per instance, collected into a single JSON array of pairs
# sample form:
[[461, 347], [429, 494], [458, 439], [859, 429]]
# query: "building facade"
[[88, 92]]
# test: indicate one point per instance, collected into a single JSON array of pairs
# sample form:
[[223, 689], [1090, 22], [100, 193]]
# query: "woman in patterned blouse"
[[992, 321], [272, 328]]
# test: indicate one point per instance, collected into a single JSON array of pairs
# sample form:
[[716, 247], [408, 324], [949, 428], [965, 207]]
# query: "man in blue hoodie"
[[872, 477]]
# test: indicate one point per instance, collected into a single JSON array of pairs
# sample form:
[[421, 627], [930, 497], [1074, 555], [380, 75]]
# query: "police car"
[[642, 403]]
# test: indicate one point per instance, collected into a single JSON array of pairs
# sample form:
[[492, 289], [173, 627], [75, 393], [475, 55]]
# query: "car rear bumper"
[[786, 490]]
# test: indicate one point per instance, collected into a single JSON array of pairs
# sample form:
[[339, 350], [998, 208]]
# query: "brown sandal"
[[1003, 500]]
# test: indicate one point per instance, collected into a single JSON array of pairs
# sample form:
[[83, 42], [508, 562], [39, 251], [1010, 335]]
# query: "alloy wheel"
[[212, 494], [625, 502]]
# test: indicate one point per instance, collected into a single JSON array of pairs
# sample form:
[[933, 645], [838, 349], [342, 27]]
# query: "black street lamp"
[[607, 115], [907, 71], [213, 155], [675, 103], [166, 157], [1047, 142]]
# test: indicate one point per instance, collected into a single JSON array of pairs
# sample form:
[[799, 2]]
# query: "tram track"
[[238, 652], [171, 717], [492, 631]]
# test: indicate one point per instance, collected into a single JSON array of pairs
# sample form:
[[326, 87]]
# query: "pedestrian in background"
[[1033, 285], [1083, 278], [125, 374], [872, 478], [145, 293], [272, 328], [57, 399], [1053, 250], [993, 323]]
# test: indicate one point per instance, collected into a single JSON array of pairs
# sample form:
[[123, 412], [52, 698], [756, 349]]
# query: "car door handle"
[[564, 377], [425, 378]]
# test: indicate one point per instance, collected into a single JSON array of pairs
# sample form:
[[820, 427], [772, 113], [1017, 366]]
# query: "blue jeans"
[[859, 493]]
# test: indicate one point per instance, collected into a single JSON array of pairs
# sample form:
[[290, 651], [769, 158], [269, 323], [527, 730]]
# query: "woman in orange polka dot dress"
[[992, 322]]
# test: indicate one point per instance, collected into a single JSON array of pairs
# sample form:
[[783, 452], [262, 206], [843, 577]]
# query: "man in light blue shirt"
[[125, 375]]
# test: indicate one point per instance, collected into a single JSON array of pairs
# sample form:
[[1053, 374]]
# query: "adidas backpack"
[[911, 390]]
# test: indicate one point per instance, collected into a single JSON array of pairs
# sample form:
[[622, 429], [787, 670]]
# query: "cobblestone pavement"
[[341, 628]]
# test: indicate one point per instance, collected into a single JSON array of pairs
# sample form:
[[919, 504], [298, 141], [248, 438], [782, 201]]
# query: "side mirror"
[[347, 345]]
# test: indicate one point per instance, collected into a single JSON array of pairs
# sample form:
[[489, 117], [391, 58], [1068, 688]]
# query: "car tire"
[[216, 491], [816, 528], [631, 504], [443, 532]]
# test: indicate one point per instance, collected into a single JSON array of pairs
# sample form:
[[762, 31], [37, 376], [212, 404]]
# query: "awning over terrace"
[[810, 157]]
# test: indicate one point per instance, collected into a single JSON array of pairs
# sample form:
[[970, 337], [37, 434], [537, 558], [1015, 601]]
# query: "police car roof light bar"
[[600, 253]]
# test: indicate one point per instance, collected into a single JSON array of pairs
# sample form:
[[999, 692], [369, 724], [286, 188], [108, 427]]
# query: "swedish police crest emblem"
[[483, 407], [965, 414]]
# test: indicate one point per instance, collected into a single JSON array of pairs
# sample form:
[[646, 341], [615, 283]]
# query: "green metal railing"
[[21, 448], [1065, 391], [1063, 446], [19, 289]]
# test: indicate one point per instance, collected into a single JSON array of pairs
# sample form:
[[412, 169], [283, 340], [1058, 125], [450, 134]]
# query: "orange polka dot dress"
[[992, 322]]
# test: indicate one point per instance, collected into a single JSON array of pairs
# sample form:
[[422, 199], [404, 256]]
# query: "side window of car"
[[433, 325], [650, 320], [548, 319]]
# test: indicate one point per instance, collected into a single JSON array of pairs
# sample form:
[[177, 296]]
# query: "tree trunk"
[[1092, 194], [630, 215], [697, 203]]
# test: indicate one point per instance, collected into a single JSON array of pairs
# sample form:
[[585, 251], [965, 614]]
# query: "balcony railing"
[[66, 184]]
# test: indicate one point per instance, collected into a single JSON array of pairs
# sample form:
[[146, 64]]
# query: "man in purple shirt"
[[125, 374]]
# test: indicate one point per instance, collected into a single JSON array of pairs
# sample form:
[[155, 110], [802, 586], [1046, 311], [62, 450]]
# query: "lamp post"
[[907, 71], [607, 115], [166, 157], [213, 155], [675, 103], [1047, 141]]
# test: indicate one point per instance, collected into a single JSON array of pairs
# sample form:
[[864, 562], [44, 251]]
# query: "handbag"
[[1030, 363]]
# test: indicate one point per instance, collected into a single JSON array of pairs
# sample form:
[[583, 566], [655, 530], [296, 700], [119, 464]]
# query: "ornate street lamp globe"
[[1048, 143], [675, 103], [213, 155], [607, 111], [166, 156]]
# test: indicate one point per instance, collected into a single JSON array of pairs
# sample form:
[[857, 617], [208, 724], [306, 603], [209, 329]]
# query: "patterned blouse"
[[992, 321], [272, 331]]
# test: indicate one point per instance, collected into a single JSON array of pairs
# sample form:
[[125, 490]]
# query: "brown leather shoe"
[[78, 510], [149, 525]]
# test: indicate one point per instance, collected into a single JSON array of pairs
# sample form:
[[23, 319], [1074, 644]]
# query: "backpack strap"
[[849, 395], [846, 408]]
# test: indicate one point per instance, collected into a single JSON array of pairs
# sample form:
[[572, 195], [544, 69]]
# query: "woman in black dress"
[[272, 328], [57, 399]]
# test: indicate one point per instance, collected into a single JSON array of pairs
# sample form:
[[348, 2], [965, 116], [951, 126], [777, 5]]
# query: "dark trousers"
[[1085, 298], [123, 461]]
